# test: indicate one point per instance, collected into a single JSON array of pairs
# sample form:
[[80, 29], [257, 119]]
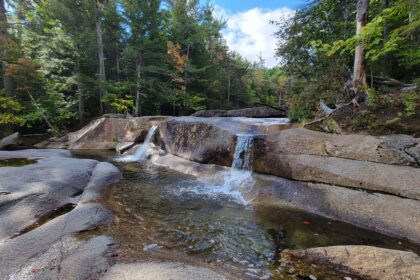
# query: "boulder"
[[36, 222], [365, 262], [211, 140], [255, 112], [17, 253], [37, 189], [83, 260], [10, 141], [401, 181], [392, 149], [101, 134]]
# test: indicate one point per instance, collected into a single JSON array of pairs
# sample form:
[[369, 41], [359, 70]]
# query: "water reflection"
[[166, 214]]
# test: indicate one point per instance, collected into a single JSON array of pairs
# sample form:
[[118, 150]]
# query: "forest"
[[66, 62]]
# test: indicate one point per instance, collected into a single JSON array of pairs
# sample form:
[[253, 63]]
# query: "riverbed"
[[165, 215]]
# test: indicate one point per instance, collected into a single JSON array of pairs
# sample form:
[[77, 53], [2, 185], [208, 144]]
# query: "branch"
[[345, 105]]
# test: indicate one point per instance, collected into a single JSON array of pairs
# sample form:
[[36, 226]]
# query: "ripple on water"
[[175, 216]]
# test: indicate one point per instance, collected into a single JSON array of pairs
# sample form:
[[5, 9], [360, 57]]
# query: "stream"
[[167, 215]]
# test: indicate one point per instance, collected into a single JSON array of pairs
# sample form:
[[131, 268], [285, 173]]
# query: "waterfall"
[[242, 159], [239, 181], [141, 152]]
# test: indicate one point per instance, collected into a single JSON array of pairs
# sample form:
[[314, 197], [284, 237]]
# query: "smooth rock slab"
[[160, 271], [391, 149], [37, 189], [365, 261], [48, 250], [9, 141], [100, 134], [383, 213], [212, 140], [397, 180], [17, 252]]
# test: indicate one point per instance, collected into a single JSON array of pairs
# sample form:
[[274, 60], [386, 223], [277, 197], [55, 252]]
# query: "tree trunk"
[[229, 85], [138, 88], [79, 93], [98, 30], [42, 113], [118, 63], [4, 42], [186, 77], [359, 74], [384, 63]]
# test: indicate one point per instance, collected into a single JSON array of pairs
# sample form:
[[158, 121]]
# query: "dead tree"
[[359, 82]]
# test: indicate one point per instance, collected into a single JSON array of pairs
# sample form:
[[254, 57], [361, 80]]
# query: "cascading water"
[[242, 159], [141, 152], [238, 181]]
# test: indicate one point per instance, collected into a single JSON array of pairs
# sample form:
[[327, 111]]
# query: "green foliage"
[[372, 99], [411, 101], [11, 110], [331, 126], [299, 114], [364, 120]]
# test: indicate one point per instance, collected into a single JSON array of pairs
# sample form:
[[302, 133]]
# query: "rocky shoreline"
[[371, 182]]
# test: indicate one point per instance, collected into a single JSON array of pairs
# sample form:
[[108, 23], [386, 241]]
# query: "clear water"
[[166, 215]]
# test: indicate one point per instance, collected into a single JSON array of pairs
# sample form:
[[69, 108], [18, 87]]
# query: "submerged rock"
[[365, 262]]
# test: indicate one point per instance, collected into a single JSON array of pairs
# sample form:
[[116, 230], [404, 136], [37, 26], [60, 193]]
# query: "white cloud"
[[250, 33]]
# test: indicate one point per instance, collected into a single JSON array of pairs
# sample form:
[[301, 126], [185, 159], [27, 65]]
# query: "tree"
[[359, 71], [98, 30], [4, 43]]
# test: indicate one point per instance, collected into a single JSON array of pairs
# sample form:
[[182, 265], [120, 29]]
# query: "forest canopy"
[[64, 62]]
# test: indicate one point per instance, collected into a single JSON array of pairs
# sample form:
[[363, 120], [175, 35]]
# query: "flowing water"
[[242, 159], [167, 215], [141, 152]]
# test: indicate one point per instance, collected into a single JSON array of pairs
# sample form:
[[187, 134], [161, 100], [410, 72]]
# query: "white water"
[[239, 181], [141, 152], [242, 159]]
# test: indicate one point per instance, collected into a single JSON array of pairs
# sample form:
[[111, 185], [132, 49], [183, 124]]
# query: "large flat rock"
[[36, 224], [34, 190], [377, 177], [365, 262], [392, 149], [100, 134], [383, 213], [212, 140], [160, 271]]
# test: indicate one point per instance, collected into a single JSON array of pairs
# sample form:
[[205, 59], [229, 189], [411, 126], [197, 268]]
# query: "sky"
[[248, 30]]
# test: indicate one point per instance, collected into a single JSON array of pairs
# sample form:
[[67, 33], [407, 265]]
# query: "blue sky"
[[248, 30], [243, 5]]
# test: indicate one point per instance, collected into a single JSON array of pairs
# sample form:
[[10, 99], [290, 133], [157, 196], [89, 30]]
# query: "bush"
[[300, 114]]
